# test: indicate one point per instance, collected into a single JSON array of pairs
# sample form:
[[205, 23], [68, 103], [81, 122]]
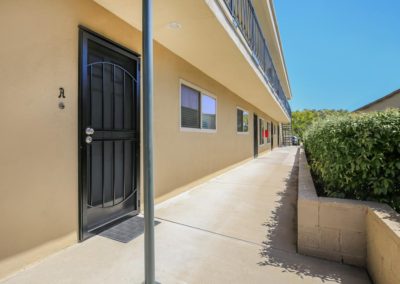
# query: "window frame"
[[248, 126], [202, 93]]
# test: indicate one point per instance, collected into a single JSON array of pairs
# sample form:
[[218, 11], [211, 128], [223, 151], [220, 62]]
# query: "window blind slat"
[[239, 120], [190, 107], [242, 120]]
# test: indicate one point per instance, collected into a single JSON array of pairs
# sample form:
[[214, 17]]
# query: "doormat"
[[127, 230]]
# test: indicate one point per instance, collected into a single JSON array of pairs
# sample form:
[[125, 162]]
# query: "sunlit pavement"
[[239, 227]]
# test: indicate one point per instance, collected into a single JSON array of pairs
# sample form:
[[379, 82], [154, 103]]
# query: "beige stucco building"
[[70, 109], [391, 100]]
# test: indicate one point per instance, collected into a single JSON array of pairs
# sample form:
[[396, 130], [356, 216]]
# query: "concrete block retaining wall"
[[365, 234]]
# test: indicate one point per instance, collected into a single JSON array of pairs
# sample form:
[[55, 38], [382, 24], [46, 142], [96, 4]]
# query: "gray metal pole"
[[147, 34]]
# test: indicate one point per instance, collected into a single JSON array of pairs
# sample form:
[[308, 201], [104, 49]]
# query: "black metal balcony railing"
[[245, 18]]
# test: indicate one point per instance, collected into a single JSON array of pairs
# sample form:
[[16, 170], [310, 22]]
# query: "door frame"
[[279, 134], [84, 35], [272, 135], [255, 135]]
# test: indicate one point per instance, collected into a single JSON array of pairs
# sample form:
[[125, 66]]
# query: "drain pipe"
[[147, 49]]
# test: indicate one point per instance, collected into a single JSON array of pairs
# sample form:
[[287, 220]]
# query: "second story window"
[[242, 121], [198, 110]]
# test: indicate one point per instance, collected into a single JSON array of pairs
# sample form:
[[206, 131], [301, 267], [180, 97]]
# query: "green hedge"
[[357, 156]]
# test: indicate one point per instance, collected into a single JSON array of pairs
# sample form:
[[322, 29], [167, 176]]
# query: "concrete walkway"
[[239, 227]]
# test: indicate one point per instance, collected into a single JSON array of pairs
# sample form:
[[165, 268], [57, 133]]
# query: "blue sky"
[[340, 54]]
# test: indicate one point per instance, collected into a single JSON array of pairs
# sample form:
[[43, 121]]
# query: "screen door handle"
[[89, 131]]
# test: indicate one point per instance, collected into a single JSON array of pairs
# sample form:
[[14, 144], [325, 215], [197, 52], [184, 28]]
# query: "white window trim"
[[259, 133], [248, 127], [202, 92]]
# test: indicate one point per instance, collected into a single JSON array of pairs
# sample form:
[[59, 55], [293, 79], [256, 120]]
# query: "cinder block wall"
[[383, 244], [365, 234], [329, 228]]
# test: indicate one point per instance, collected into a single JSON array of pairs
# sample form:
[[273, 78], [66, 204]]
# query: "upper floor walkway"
[[235, 42]]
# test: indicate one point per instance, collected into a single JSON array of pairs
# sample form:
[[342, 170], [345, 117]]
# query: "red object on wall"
[[266, 134]]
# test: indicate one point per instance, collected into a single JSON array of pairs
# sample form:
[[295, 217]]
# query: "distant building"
[[389, 101]]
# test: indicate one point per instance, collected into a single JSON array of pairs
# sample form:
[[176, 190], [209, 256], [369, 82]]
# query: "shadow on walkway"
[[280, 247]]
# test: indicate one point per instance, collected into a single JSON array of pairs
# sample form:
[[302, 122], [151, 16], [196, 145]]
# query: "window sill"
[[186, 129]]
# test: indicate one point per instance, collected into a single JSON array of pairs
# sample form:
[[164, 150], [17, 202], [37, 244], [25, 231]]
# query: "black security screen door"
[[109, 132], [272, 135], [255, 135]]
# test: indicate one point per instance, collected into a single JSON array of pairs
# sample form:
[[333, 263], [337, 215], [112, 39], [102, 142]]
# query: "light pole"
[[147, 44]]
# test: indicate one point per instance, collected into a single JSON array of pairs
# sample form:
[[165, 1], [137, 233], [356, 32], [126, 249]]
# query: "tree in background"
[[302, 119]]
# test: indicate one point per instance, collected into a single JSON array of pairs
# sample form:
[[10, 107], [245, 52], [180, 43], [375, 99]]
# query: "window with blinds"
[[190, 107], [198, 110], [208, 112], [242, 121]]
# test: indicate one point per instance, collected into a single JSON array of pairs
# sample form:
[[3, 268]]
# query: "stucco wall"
[[39, 153], [194, 153]]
